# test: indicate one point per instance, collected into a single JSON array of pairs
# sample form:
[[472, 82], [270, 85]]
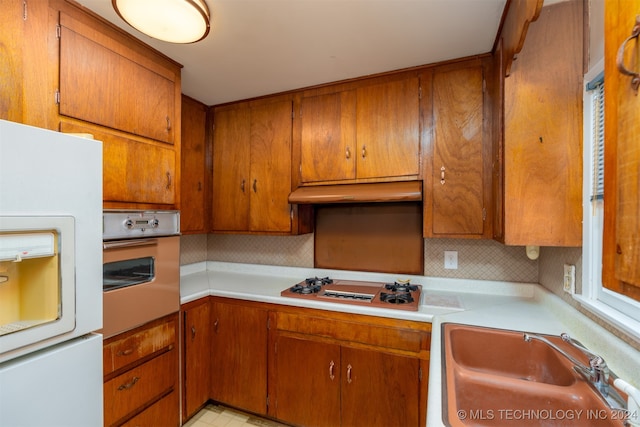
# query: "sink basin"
[[492, 377], [507, 354]]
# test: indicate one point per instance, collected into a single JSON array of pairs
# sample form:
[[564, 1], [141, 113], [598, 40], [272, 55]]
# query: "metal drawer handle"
[[349, 367], [129, 243], [348, 153], [364, 151], [442, 180], [635, 77], [168, 180], [125, 352], [331, 366], [130, 384]]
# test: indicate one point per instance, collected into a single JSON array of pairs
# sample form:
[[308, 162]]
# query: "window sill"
[[610, 315]]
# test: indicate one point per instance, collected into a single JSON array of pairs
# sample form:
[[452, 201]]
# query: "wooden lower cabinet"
[[196, 359], [325, 384], [307, 387], [141, 375], [338, 369], [239, 354], [305, 367]]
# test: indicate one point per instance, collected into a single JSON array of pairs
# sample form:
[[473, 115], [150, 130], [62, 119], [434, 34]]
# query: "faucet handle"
[[566, 338]]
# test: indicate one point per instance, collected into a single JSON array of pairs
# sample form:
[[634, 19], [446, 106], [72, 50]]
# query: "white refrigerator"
[[52, 375]]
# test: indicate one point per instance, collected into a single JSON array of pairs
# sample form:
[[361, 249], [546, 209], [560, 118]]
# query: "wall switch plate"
[[569, 284], [451, 260]]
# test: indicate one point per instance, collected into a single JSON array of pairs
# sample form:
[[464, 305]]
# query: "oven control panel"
[[118, 224]]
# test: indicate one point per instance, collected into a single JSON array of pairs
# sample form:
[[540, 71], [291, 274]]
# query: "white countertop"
[[506, 305]]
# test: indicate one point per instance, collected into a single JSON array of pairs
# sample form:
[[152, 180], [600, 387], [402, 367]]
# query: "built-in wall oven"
[[141, 268]]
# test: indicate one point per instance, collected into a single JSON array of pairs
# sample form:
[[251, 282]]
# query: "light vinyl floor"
[[220, 416]]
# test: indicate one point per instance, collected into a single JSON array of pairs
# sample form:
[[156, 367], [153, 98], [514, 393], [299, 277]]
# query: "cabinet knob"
[[364, 151], [193, 332], [347, 153], [168, 180]]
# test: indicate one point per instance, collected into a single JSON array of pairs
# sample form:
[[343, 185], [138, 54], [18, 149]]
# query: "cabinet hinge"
[[268, 324], [24, 10], [267, 400], [419, 92], [57, 97], [420, 373], [58, 31], [484, 85], [484, 214]]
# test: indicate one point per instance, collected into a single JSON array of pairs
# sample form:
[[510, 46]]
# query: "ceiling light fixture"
[[174, 21]]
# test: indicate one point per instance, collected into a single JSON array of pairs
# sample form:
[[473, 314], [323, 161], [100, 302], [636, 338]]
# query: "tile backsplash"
[[477, 259]]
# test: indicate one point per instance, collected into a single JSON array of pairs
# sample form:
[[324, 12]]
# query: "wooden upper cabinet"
[[363, 132], [134, 172], [252, 168], [621, 252], [387, 123], [194, 177], [231, 160], [328, 151], [104, 83], [543, 132], [456, 168]]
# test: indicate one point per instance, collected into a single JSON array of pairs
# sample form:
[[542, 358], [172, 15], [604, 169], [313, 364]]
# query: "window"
[[619, 310]]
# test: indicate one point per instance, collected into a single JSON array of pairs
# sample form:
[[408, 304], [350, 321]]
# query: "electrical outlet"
[[451, 260], [569, 284]]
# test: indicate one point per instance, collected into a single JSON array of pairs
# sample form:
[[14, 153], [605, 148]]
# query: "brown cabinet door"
[[197, 363], [387, 123], [133, 171], [193, 179], [239, 356], [270, 167], [328, 142], [308, 382], [621, 257], [543, 132], [231, 157], [101, 83], [379, 389], [457, 161]]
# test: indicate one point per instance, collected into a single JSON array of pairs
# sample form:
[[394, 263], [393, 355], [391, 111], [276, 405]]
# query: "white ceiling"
[[260, 47]]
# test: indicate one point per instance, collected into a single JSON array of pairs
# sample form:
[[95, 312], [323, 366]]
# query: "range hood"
[[405, 191]]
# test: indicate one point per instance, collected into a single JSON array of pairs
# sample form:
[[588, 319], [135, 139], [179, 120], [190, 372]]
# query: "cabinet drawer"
[[139, 386], [129, 349], [364, 333], [162, 413]]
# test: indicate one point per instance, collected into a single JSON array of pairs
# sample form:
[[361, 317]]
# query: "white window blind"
[[596, 86]]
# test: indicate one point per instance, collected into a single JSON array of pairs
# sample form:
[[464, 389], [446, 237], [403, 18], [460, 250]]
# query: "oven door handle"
[[128, 243]]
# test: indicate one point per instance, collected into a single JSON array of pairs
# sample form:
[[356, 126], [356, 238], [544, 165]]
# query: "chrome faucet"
[[597, 372]]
